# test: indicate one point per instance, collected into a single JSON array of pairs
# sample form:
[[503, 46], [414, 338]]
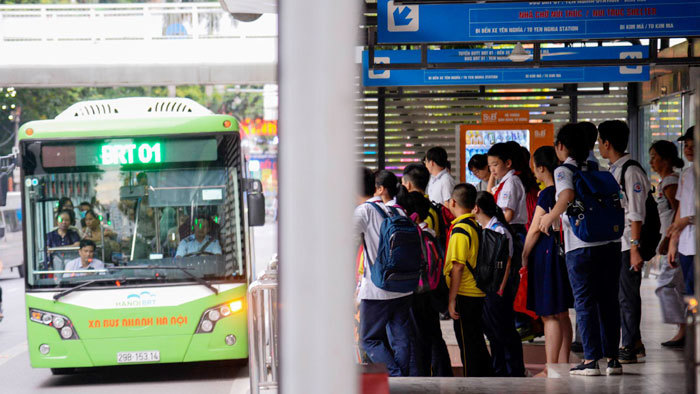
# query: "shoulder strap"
[[572, 167], [394, 211], [378, 209], [625, 166], [206, 244]]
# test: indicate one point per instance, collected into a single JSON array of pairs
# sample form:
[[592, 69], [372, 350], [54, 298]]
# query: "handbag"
[[520, 302]]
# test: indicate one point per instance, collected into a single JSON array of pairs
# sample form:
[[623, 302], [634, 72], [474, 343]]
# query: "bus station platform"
[[663, 371]]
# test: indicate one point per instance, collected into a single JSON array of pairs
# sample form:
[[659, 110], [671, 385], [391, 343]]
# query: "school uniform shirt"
[[686, 196], [463, 249], [367, 221], [498, 227], [663, 205], [564, 180], [512, 196], [634, 198], [441, 186]]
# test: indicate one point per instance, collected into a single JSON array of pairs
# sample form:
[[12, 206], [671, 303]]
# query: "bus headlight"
[[44, 349], [209, 318], [62, 324]]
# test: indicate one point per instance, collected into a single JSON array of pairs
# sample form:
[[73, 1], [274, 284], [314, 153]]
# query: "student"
[[682, 230], [441, 182], [509, 192], [591, 133], [663, 158], [549, 291], [466, 301], [613, 136], [593, 267], [479, 167], [415, 179], [382, 310], [499, 318], [434, 359]]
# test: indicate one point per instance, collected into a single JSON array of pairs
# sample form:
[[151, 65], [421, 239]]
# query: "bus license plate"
[[138, 357]]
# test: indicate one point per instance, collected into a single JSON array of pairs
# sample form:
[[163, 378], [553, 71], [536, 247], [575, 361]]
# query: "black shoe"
[[614, 368], [678, 343], [589, 369], [641, 354], [628, 355], [577, 347], [445, 316]]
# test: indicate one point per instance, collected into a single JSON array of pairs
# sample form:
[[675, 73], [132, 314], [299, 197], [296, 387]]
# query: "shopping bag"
[[520, 303]]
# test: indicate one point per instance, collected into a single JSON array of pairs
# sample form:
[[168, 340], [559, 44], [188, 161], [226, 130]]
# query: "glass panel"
[[662, 120]]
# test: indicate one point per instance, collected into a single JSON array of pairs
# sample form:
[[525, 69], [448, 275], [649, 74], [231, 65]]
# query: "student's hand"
[[452, 309], [546, 222], [672, 253], [636, 260]]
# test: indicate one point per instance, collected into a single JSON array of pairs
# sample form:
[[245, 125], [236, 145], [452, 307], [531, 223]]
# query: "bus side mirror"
[[3, 188], [256, 203]]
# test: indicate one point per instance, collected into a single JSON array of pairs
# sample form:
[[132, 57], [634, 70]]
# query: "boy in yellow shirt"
[[466, 301]]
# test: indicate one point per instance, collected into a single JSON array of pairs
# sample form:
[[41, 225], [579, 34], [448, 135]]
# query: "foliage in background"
[[39, 104]]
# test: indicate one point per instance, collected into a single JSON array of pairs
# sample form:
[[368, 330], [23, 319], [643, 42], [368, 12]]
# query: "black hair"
[[87, 242], [487, 204], [62, 202], [574, 140], [503, 151], [439, 156], [85, 203], [415, 202], [464, 195], [418, 175], [388, 180], [616, 132], [367, 182], [478, 161], [93, 213], [546, 156], [667, 150], [591, 133], [402, 199], [70, 214]]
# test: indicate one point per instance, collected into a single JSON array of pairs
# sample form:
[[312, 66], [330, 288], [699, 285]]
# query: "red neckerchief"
[[500, 186]]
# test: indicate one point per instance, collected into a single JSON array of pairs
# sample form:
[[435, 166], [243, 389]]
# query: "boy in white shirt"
[[612, 143], [441, 182]]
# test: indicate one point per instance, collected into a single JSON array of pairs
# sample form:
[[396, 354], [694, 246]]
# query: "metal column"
[[381, 129], [318, 185], [636, 140]]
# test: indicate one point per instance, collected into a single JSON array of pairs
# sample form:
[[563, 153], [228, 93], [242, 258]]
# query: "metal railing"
[[263, 331], [143, 21]]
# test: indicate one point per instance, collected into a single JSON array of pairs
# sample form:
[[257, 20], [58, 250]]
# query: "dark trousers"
[[433, 358], [687, 265], [594, 273], [470, 337], [376, 316], [630, 302], [504, 341]]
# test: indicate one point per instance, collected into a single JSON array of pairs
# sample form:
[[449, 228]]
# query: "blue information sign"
[[523, 75], [530, 21]]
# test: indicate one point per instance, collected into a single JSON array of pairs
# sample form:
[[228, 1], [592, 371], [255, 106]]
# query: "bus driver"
[[199, 242], [86, 261]]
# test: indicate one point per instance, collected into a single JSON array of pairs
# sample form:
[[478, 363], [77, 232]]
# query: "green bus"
[[158, 186]]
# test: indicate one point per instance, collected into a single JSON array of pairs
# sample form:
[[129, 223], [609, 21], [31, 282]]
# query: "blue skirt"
[[549, 291]]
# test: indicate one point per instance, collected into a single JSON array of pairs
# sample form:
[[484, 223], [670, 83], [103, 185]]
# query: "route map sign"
[[431, 77], [536, 21]]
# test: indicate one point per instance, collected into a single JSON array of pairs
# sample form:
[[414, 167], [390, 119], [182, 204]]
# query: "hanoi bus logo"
[[136, 300]]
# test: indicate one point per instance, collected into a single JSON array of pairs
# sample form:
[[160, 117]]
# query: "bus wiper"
[[199, 280], [85, 284]]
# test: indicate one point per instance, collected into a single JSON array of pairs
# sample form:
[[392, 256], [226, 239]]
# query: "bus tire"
[[62, 371], [21, 270]]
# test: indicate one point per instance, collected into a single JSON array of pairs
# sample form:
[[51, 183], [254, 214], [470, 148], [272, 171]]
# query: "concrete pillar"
[[318, 178]]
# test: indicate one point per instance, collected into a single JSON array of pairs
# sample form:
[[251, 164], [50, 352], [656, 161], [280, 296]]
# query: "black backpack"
[[492, 257], [650, 236]]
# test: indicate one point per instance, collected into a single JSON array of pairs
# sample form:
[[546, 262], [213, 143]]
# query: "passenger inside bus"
[[86, 261], [63, 235], [200, 242]]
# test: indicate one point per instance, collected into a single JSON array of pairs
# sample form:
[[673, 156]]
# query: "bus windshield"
[[131, 210]]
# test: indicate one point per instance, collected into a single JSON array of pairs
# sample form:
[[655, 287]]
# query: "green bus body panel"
[[126, 127], [145, 330]]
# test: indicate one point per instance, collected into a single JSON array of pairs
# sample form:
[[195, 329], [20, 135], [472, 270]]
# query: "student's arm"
[[508, 214], [636, 259], [670, 194], [505, 278], [533, 234], [565, 197], [492, 183], [455, 281]]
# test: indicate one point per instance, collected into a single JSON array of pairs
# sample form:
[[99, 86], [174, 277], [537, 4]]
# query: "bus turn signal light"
[[227, 123], [29, 131], [236, 306]]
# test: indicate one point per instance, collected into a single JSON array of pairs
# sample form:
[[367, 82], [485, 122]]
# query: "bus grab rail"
[[263, 331]]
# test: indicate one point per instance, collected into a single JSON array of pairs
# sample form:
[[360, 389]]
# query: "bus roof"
[[129, 117]]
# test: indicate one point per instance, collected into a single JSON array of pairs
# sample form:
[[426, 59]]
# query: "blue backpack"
[[596, 213], [399, 256]]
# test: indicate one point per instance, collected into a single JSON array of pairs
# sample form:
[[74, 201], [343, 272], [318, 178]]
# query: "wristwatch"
[[634, 242]]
